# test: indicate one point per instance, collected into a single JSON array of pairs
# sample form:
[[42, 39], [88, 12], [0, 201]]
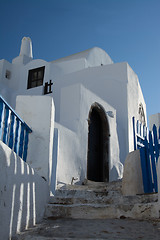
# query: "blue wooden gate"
[[149, 144]]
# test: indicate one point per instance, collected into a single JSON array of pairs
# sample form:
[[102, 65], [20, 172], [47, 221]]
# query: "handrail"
[[13, 130], [4, 101]]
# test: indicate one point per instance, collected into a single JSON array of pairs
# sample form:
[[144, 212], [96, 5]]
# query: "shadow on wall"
[[54, 162], [23, 194]]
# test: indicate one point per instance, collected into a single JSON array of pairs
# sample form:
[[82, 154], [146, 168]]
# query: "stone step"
[[103, 211], [99, 186], [91, 190], [100, 198], [77, 195], [99, 201]]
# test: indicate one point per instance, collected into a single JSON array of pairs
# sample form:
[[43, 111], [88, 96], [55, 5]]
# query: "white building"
[[154, 119], [95, 100]]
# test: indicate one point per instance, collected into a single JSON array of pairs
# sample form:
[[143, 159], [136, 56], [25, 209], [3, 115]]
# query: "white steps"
[[100, 201]]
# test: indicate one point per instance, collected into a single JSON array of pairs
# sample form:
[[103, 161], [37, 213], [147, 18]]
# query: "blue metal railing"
[[13, 130]]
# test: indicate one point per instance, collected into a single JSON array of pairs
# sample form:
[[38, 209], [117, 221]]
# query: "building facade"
[[95, 100]]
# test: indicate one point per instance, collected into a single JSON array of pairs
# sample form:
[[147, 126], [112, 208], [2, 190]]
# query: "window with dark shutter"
[[35, 77]]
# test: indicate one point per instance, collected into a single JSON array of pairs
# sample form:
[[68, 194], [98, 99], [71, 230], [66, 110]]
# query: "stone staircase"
[[90, 212], [100, 201]]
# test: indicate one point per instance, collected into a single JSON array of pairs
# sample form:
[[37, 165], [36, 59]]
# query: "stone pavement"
[[85, 229], [96, 211]]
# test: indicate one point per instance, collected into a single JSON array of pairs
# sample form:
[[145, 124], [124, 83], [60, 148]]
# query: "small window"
[[35, 77], [8, 74], [141, 114]]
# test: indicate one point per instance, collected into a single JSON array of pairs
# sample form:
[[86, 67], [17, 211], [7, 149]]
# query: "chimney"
[[26, 47]]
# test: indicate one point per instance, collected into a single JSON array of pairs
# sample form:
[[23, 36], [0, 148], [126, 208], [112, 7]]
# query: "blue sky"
[[128, 30]]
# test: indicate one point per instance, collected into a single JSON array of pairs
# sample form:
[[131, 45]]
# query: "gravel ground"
[[125, 229]]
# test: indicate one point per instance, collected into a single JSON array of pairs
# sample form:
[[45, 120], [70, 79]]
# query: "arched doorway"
[[98, 145]]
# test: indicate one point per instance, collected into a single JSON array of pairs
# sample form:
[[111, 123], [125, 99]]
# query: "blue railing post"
[[21, 141], [147, 182], [156, 147], [148, 167], [25, 146], [12, 129], [5, 134], [16, 136], [11, 136], [149, 145], [1, 114], [134, 133], [153, 162]]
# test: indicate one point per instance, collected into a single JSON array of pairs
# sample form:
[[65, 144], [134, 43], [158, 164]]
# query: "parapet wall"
[[23, 194]]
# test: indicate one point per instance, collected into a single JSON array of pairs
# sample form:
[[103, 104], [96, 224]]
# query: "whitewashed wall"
[[5, 90], [109, 82], [23, 194], [116, 84], [74, 116], [135, 98], [65, 67], [38, 113], [154, 119], [89, 58], [132, 182], [68, 163]]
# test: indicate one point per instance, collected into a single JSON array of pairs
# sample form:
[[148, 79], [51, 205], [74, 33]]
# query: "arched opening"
[[98, 145]]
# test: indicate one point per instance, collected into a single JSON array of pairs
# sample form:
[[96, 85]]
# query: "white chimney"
[[26, 47]]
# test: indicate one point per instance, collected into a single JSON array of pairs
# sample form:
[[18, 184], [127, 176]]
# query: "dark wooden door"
[[95, 148]]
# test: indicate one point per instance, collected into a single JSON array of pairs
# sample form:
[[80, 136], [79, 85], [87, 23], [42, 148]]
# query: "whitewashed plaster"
[[25, 54], [24, 77], [132, 182], [71, 141], [23, 194], [5, 65], [38, 113], [112, 84], [89, 58], [26, 47], [69, 66], [68, 162], [134, 99], [154, 119], [76, 120]]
